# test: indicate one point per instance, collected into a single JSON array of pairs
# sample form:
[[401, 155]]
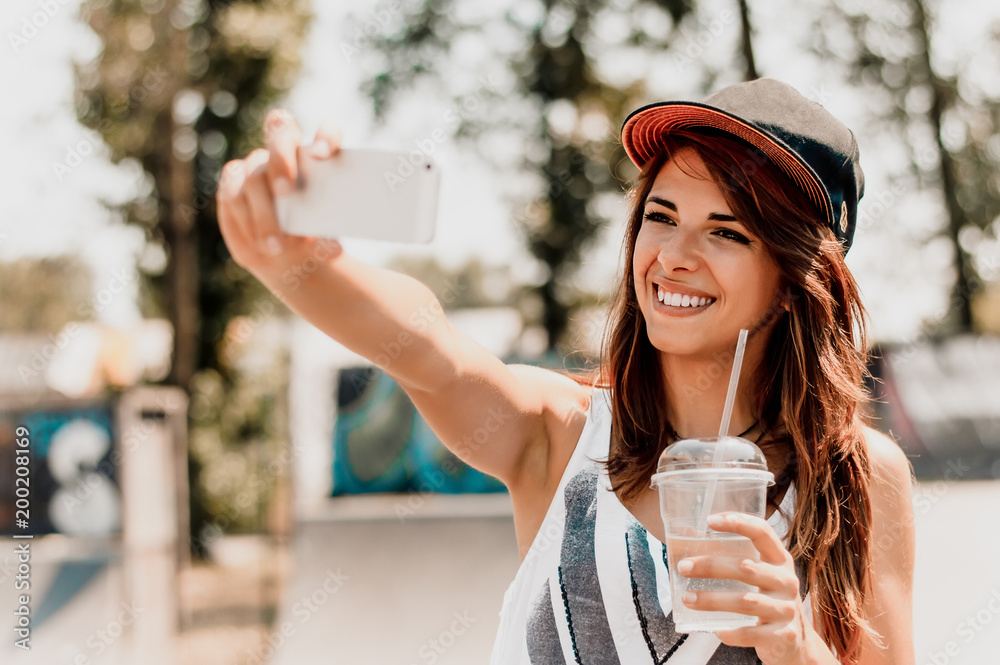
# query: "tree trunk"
[[961, 300], [750, 65], [182, 269]]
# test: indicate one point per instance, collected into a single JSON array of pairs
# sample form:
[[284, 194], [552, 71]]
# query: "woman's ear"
[[785, 297]]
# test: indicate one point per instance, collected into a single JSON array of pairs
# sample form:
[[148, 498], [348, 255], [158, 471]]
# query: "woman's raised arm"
[[494, 417]]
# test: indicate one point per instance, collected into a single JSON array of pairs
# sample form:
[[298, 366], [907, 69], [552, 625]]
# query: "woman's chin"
[[689, 348]]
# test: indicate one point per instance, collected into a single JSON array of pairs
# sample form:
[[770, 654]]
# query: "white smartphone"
[[361, 193]]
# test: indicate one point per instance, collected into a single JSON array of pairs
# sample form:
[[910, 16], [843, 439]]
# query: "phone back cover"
[[371, 194]]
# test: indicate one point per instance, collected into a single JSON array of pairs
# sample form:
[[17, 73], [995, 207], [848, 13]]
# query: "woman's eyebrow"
[[712, 216]]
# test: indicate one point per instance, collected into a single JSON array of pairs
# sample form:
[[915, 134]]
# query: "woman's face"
[[700, 275]]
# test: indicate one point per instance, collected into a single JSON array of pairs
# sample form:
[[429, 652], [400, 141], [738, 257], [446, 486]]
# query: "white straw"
[[727, 414], [734, 380]]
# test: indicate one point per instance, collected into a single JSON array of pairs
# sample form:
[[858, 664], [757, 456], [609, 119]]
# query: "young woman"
[[740, 218]]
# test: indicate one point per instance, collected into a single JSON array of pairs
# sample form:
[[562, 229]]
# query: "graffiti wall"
[[382, 444]]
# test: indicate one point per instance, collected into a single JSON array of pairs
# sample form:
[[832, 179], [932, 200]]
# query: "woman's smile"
[[675, 301]]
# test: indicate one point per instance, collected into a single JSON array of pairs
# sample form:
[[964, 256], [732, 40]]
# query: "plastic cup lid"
[[691, 454]]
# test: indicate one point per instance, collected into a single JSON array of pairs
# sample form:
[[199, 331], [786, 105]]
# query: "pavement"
[[427, 588], [398, 579], [419, 579]]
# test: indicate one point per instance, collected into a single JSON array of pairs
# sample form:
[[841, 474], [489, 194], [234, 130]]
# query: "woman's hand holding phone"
[[246, 194]]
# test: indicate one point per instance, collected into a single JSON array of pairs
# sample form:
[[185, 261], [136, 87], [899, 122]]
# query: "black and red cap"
[[799, 136]]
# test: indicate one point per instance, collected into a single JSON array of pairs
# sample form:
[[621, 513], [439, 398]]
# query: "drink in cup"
[[697, 478]]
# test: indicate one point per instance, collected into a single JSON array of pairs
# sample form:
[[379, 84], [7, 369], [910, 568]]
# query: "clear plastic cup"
[[690, 473]]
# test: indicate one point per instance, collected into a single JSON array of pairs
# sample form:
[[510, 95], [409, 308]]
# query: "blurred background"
[[213, 480]]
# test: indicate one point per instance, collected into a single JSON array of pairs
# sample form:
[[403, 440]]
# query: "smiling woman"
[[741, 215]]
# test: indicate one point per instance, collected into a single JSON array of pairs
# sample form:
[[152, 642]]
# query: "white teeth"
[[681, 300]]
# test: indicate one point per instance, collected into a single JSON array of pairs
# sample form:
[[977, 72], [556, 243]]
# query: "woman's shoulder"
[[886, 458], [890, 486], [560, 390], [564, 401]]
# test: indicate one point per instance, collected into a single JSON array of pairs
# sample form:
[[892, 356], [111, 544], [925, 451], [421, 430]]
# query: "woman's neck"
[[696, 390]]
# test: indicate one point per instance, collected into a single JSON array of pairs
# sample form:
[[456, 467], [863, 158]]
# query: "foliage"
[[58, 289], [551, 100], [947, 115], [236, 482], [182, 86]]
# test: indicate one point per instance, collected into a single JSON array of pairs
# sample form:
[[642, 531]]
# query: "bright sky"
[[45, 212]]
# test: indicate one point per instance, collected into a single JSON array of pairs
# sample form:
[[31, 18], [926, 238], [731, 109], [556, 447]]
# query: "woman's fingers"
[[234, 215], [247, 189], [760, 533], [324, 145], [283, 137], [772, 640], [765, 576], [265, 231], [768, 609], [327, 140]]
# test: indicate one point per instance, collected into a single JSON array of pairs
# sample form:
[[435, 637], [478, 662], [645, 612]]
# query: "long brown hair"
[[808, 390]]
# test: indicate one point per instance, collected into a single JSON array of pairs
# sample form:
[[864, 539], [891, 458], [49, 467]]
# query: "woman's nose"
[[680, 252]]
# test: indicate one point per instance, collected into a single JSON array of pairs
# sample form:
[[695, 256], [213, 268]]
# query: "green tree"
[[182, 86], [892, 53], [552, 100]]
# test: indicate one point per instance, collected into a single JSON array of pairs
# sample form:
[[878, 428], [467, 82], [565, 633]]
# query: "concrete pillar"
[[153, 461]]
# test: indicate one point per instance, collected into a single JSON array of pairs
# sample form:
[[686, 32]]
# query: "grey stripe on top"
[[578, 560], [659, 624], [583, 602], [543, 638]]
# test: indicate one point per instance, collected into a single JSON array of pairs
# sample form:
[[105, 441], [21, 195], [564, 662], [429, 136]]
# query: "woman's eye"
[[729, 234], [654, 216]]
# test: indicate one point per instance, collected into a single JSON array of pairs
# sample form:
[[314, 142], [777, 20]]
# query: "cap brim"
[[643, 129]]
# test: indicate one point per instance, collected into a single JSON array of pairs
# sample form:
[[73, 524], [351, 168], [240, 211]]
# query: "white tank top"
[[594, 587]]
